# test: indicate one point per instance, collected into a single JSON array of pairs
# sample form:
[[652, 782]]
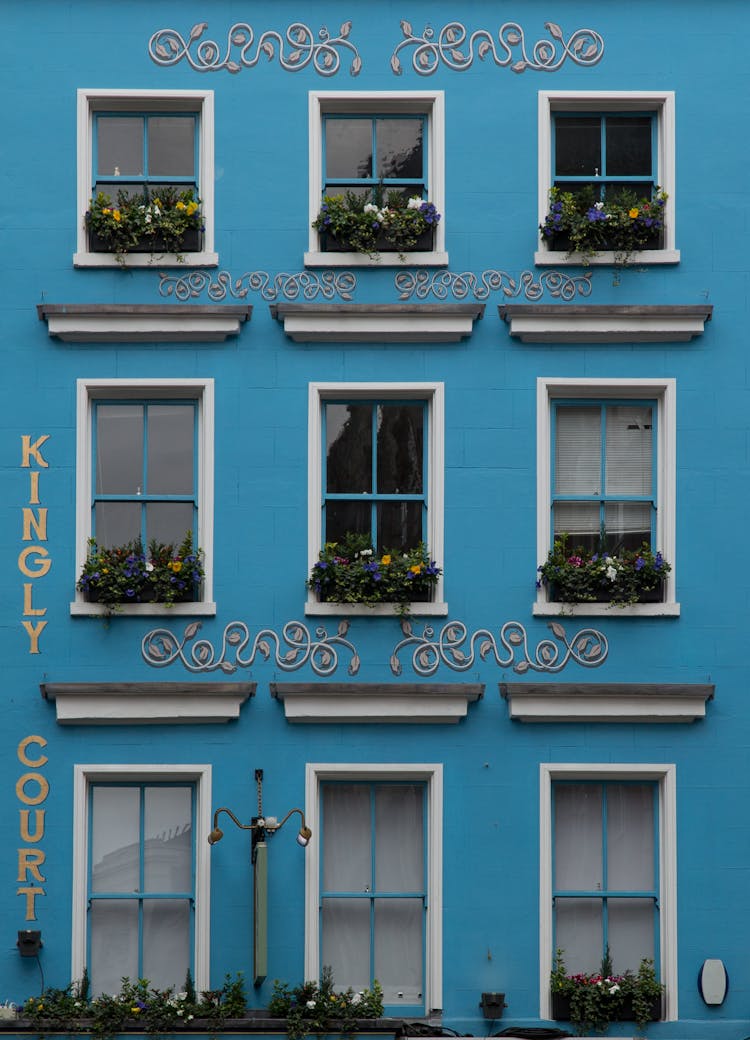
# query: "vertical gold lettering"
[[41, 794], [26, 834], [38, 523], [28, 610], [34, 631], [29, 861], [34, 487], [28, 449], [24, 759], [31, 892]]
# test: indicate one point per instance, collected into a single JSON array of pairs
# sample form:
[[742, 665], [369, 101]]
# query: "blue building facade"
[[275, 423]]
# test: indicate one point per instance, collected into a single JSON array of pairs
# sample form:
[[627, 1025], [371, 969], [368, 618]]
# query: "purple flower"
[[658, 561], [640, 563]]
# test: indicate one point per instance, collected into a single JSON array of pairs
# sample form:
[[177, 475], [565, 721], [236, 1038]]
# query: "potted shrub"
[[357, 223], [162, 220], [317, 1008], [592, 1001], [575, 575], [350, 571], [126, 574], [581, 223]]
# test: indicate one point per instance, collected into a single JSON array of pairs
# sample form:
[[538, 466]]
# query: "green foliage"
[[350, 571], [156, 217], [579, 576], [316, 1007], [623, 222], [126, 574], [361, 223], [602, 997]]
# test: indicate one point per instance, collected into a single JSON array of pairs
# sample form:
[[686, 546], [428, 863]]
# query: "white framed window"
[[141, 874], [580, 130], [144, 470], [358, 140], [597, 889], [574, 443], [361, 936], [396, 498], [140, 139]]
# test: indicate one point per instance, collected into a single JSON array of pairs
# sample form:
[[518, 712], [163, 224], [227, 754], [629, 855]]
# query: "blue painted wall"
[[261, 379]]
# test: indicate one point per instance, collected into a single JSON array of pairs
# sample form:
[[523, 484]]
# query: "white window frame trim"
[[665, 393], [434, 395], [420, 102], [200, 101], [660, 101], [666, 777], [199, 390], [200, 775], [432, 774]]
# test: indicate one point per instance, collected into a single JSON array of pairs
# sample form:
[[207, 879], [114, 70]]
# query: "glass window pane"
[[168, 522], [629, 440], [116, 523], [114, 944], [578, 149], [171, 147], [348, 148], [399, 842], [627, 525], [349, 448], [347, 826], [399, 525], [398, 949], [581, 521], [342, 517], [630, 837], [578, 837], [399, 148], [168, 835], [171, 429], [579, 932], [345, 944], [166, 942], [400, 449], [630, 932], [115, 839], [119, 146], [119, 449], [628, 146], [578, 450]]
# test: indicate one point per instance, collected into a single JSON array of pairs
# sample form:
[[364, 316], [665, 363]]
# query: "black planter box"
[[560, 242], [187, 596], [330, 244], [190, 242], [561, 1009], [655, 595]]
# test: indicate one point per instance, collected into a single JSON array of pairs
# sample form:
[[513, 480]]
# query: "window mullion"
[[373, 880], [141, 874]]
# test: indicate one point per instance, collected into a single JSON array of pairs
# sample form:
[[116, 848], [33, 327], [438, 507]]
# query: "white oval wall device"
[[713, 981]]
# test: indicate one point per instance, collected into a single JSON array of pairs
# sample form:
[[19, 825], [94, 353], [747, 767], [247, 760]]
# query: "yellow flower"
[[416, 568], [175, 565], [116, 214], [191, 208], [135, 1010], [180, 205], [105, 570], [633, 213], [107, 211], [385, 559]]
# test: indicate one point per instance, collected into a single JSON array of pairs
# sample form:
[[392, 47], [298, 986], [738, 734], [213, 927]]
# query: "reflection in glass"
[[171, 429], [168, 839], [578, 146], [171, 146], [348, 148], [399, 148], [628, 146], [400, 448], [115, 849], [166, 942], [348, 448], [119, 146], [113, 948], [116, 523], [119, 449], [346, 941]]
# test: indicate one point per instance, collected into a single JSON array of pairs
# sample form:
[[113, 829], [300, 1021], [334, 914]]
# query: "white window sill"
[[607, 702], [79, 608], [560, 258], [434, 259], [315, 609], [375, 702], [146, 260], [606, 610], [148, 703]]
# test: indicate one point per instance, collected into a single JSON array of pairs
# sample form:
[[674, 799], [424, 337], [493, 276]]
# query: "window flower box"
[[330, 243], [157, 221], [561, 1009], [575, 575], [582, 223], [191, 241], [355, 223], [592, 1001]]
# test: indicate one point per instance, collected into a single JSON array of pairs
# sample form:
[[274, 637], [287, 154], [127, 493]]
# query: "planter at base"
[[560, 242], [561, 1009], [655, 595], [424, 244], [190, 242]]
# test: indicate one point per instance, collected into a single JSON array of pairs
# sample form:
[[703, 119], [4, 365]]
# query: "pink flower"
[[575, 561]]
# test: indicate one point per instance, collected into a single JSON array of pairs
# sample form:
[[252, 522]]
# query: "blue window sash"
[[603, 178], [604, 894], [373, 497], [145, 178], [388, 183], [374, 894], [602, 498], [144, 497], [140, 895]]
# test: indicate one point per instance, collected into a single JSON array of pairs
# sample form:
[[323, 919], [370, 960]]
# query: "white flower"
[[180, 1011], [614, 989], [356, 999], [190, 1018], [181, 996], [414, 203], [310, 1004], [149, 568], [148, 218], [366, 552], [370, 207], [611, 572], [598, 205]]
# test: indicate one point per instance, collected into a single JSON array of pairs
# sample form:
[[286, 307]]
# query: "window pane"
[[628, 146], [166, 942], [399, 845], [171, 149], [578, 837], [627, 525], [346, 941], [578, 931], [115, 837], [119, 449], [630, 837], [168, 521], [348, 148], [171, 430], [399, 525], [349, 448], [347, 824], [580, 520], [578, 450], [168, 850], [119, 141], [342, 517], [398, 949], [630, 932], [116, 523], [114, 944], [629, 440], [399, 148], [400, 449], [578, 146]]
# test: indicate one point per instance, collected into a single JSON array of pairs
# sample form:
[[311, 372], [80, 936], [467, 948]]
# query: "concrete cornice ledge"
[[377, 322], [146, 703], [605, 323], [143, 322], [376, 702], [607, 702]]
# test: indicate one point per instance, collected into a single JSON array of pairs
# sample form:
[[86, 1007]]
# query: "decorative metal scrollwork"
[[441, 284], [219, 285]]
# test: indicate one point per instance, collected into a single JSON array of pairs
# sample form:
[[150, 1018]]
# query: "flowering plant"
[[317, 1008], [623, 222], [350, 571], [363, 223], [603, 997], [579, 576], [127, 574], [159, 218]]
